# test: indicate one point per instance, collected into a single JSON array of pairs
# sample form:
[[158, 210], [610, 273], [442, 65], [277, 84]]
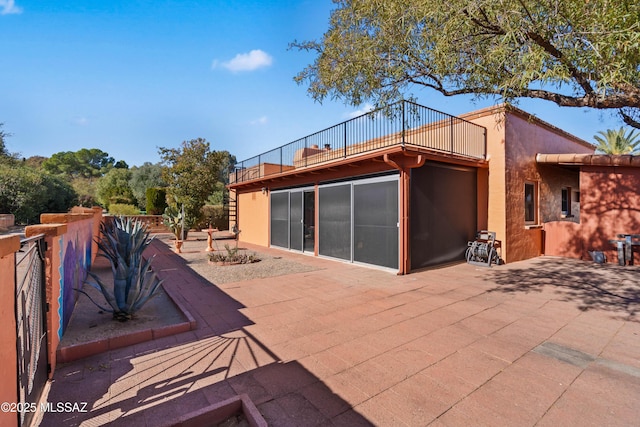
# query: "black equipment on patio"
[[484, 250]]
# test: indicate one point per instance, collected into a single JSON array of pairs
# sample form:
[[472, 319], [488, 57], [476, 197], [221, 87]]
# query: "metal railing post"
[[403, 118], [345, 139], [451, 133]]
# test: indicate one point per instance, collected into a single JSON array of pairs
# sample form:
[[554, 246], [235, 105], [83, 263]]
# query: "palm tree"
[[618, 142]]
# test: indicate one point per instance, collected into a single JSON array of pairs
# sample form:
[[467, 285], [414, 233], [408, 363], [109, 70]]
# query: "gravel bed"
[[270, 264]]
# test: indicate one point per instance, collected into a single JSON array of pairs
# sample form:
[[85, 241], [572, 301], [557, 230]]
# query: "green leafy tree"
[[618, 142], [114, 188], [35, 162], [5, 155], [143, 177], [574, 53], [3, 147], [26, 193], [84, 163], [191, 173]]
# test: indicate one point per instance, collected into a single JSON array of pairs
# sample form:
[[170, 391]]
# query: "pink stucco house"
[[409, 189]]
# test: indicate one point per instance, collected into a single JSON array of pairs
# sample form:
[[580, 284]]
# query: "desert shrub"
[[123, 209], [156, 200], [26, 193], [232, 256]]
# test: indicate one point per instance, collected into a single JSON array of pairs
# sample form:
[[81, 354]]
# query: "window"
[[566, 202], [530, 203]]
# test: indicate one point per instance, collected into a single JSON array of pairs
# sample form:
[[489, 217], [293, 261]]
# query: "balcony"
[[403, 124]]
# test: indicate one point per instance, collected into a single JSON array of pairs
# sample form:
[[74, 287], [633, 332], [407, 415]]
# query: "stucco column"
[[52, 259], [405, 241], [404, 162], [9, 245]]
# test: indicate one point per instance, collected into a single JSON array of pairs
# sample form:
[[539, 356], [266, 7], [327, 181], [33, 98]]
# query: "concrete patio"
[[549, 341]]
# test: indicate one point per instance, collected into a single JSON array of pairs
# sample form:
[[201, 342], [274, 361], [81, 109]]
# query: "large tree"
[[575, 53], [191, 173], [85, 163]]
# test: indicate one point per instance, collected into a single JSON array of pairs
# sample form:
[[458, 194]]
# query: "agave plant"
[[134, 282]]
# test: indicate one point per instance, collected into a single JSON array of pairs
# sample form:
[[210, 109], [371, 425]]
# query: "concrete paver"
[[349, 345]]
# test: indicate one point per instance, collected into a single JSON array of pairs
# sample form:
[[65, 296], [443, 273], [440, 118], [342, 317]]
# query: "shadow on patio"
[[155, 382], [592, 286]]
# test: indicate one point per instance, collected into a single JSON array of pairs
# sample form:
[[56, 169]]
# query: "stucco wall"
[[495, 193], [525, 139], [253, 217], [513, 140], [8, 368], [610, 203]]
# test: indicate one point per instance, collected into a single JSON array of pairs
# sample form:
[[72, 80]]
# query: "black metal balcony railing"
[[403, 123]]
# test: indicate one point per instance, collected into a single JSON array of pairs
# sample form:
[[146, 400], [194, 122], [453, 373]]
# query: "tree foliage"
[[192, 172], [114, 188], [84, 163], [143, 177], [5, 155], [26, 193], [575, 53], [3, 147], [618, 142], [156, 200]]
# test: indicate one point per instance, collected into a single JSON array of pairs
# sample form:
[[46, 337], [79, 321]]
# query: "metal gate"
[[30, 309]]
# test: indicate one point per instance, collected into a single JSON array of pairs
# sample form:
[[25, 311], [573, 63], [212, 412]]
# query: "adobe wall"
[[526, 137], [9, 367], [494, 218], [253, 217], [610, 203]]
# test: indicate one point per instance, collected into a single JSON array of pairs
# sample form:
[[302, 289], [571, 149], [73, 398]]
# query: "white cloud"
[[261, 121], [363, 110], [79, 121], [9, 7], [246, 61]]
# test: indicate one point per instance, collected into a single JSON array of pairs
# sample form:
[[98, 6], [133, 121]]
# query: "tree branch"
[[629, 120]]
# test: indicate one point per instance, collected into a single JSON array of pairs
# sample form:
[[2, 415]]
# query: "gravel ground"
[[193, 251]]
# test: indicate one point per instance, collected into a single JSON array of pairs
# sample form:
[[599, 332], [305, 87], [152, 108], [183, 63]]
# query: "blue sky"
[[130, 76]]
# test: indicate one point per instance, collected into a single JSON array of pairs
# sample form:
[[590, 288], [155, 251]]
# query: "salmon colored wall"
[[253, 217], [9, 245], [563, 238], [513, 140], [610, 204], [526, 138], [483, 198], [495, 204]]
